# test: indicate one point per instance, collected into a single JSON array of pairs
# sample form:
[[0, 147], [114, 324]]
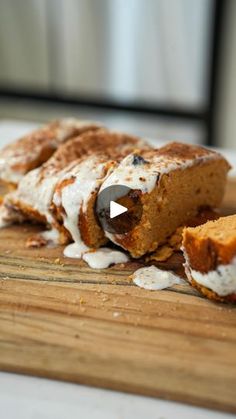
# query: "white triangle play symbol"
[[116, 209]]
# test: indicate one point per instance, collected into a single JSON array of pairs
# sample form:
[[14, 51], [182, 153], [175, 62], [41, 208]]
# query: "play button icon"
[[118, 208]]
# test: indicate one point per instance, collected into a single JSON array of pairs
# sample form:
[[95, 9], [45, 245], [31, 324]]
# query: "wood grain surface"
[[60, 319]]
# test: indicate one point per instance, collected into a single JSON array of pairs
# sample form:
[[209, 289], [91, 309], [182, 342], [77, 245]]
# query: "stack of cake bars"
[[54, 175]]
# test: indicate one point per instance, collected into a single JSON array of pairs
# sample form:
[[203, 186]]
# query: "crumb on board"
[[174, 242], [164, 252], [122, 265], [81, 300], [58, 261], [35, 241]]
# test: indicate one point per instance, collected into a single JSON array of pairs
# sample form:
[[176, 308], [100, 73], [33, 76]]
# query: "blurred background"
[[159, 68]]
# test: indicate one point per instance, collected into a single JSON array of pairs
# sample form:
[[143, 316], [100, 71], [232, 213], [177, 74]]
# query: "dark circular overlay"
[[122, 195]]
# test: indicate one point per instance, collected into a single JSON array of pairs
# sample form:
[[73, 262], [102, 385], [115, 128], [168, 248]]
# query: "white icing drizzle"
[[6, 171], [51, 236], [4, 217], [104, 257], [222, 280], [75, 250], [153, 278], [8, 215], [86, 178], [74, 196], [143, 176], [37, 193], [15, 154], [129, 175], [97, 259]]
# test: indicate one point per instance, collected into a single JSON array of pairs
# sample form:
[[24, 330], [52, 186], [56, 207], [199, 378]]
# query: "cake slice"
[[74, 200], [32, 150], [210, 255], [88, 144], [174, 181], [34, 195], [73, 203]]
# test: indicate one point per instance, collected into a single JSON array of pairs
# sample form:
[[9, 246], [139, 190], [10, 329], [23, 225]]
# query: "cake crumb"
[[81, 300], [175, 239], [161, 254]]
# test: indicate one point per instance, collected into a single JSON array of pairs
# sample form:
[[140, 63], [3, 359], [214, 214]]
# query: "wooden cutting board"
[[60, 319]]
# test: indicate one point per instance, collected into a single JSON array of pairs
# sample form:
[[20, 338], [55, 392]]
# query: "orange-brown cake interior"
[[109, 148], [211, 244], [31, 199], [188, 178]]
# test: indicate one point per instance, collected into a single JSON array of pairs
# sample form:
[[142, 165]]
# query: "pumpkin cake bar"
[[210, 255], [34, 197], [76, 191], [32, 150], [74, 200], [175, 182]]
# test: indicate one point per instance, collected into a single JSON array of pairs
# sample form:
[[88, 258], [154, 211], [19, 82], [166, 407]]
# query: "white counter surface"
[[23, 397]]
